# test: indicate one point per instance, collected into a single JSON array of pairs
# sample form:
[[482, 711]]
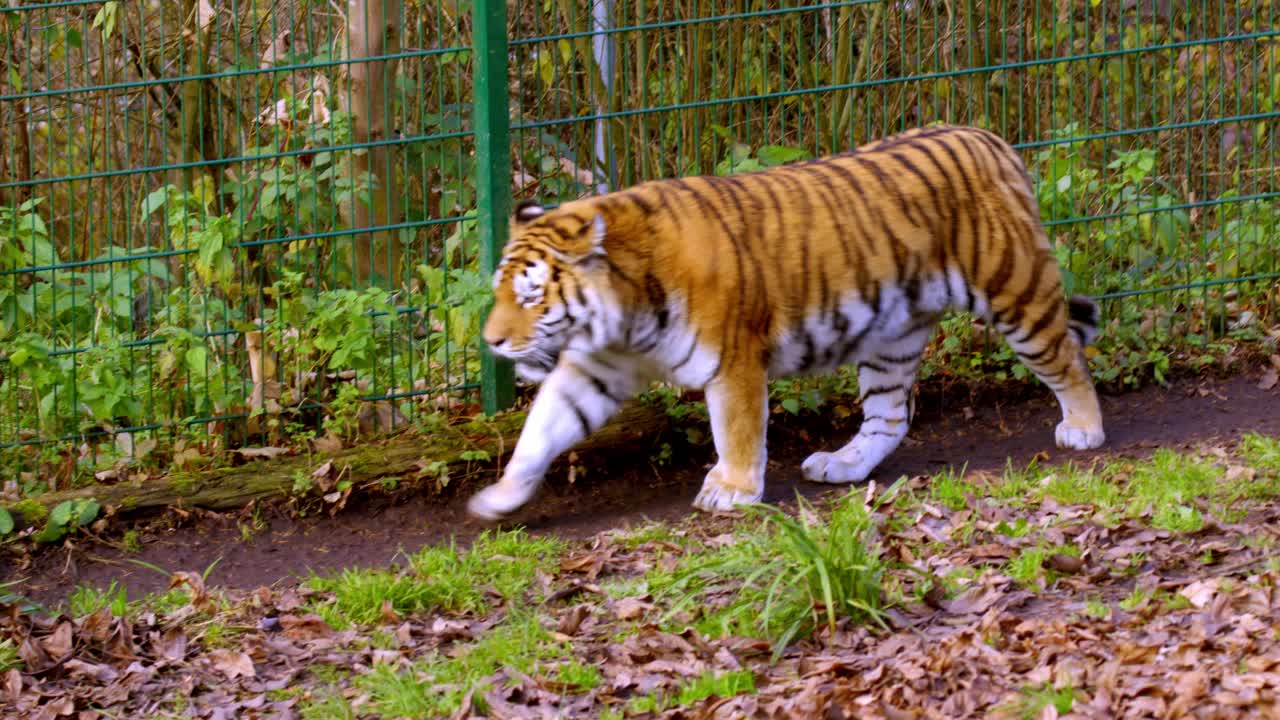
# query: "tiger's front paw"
[[498, 500], [825, 467], [1078, 438], [720, 492]]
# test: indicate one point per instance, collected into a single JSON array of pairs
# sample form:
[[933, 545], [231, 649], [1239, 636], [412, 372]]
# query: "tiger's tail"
[[1082, 319]]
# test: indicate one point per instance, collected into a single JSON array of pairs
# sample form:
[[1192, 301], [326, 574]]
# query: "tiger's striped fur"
[[724, 282]]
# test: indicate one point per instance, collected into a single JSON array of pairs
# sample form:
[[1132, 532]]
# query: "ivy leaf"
[[6, 522], [197, 357], [88, 512], [155, 200], [61, 514], [771, 155]]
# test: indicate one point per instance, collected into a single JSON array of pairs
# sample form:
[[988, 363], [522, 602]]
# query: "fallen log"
[[429, 462]]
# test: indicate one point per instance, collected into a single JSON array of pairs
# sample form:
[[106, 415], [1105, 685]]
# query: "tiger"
[[722, 283]]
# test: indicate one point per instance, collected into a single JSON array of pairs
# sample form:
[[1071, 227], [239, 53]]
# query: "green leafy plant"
[[66, 516]]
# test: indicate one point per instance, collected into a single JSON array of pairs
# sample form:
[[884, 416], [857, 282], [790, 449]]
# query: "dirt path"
[[949, 431]]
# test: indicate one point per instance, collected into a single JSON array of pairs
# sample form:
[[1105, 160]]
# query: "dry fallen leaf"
[[1200, 593], [173, 644], [232, 663], [388, 613], [200, 598], [1269, 379], [572, 619], [630, 608], [58, 645], [12, 685], [301, 628], [1067, 564]]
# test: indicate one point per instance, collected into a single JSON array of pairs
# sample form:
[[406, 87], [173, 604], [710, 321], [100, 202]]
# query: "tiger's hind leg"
[[885, 378], [1052, 345]]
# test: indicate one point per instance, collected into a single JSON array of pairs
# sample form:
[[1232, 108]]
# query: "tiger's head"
[[545, 286]]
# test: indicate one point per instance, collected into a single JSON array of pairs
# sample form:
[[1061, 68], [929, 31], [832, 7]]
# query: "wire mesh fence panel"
[[228, 223], [242, 222]]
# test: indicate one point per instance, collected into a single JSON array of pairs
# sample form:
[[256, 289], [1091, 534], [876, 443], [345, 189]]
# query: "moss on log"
[[407, 456]]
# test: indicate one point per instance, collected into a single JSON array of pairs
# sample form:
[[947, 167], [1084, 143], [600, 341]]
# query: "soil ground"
[[950, 430]]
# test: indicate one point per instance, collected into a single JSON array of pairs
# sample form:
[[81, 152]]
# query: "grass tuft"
[[9, 657], [709, 684], [435, 685], [85, 600], [1034, 701], [791, 575], [440, 578]]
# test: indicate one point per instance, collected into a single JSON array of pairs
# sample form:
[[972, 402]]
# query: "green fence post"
[[493, 171]]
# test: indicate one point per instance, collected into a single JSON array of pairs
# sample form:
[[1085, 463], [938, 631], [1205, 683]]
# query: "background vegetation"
[[216, 230]]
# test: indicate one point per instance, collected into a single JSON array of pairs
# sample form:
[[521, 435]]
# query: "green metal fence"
[[231, 222]]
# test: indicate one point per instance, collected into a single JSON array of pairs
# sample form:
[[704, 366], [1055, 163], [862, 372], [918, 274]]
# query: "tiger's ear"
[[528, 211]]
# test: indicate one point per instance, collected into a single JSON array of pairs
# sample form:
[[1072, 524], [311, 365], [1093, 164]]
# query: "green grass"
[[951, 489], [649, 532], [1016, 486], [1070, 485], [328, 705], [1169, 483], [578, 676], [707, 685], [1035, 700], [1096, 609], [1262, 454], [439, 578], [9, 655], [1027, 567], [436, 684], [1018, 528], [85, 600]]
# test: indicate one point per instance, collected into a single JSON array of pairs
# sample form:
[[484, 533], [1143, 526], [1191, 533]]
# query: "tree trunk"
[[408, 457], [373, 30]]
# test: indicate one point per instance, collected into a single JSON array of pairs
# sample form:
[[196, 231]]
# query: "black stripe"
[[869, 365], [639, 202], [1050, 314], [837, 217], [657, 297], [1004, 271], [618, 272], [854, 243], [578, 412], [883, 418], [693, 345], [899, 359], [890, 186], [915, 327], [728, 344], [1038, 356], [910, 167], [883, 390], [759, 311], [1037, 270], [602, 388]]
